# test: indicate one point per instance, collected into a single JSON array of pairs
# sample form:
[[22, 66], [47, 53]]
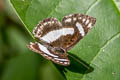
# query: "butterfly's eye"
[[59, 50]]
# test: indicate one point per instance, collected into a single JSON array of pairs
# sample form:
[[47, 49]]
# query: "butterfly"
[[55, 38]]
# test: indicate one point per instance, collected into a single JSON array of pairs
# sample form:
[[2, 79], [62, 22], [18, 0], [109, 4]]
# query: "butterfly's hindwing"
[[81, 24], [49, 53]]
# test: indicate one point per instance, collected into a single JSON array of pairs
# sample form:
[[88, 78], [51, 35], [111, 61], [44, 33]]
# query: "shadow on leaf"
[[77, 65]]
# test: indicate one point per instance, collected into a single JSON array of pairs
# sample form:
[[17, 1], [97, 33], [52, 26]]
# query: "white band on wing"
[[55, 34], [60, 59], [45, 50], [80, 28]]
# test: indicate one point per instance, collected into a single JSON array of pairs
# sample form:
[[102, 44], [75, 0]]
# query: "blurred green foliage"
[[16, 61]]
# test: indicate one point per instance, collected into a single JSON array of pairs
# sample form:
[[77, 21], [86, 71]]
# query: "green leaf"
[[100, 48]]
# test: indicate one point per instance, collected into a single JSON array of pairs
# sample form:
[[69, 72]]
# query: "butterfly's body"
[[57, 38]]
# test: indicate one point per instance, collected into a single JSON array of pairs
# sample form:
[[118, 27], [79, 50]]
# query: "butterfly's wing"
[[81, 24], [47, 31], [49, 53]]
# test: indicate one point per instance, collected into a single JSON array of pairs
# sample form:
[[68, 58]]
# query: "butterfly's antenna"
[[80, 62]]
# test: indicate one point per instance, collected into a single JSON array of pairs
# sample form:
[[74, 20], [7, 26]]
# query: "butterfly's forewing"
[[49, 53], [81, 24], [48, 31]]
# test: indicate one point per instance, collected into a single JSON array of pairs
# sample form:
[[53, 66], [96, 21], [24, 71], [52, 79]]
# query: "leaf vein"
[[55, 8], [91, 6], [104, 45], [116, 6]]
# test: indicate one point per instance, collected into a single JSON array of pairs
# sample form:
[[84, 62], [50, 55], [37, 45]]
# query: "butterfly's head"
[[59, 50]]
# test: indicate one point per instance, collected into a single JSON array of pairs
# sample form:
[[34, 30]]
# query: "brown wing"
[[47, 31], [50, 53], [81, 24]]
